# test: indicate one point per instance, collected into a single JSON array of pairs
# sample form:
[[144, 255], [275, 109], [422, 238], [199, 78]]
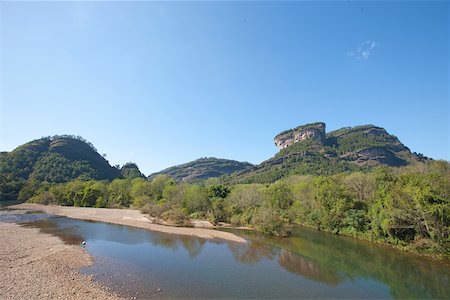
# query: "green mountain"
[[309, 150], [52, 159], [203, 168], [131, 170]]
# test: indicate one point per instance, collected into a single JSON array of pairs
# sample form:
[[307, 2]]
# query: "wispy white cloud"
[[364, 50]]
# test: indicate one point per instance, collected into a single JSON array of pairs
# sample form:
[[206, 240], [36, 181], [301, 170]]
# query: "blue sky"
[[161, 84]]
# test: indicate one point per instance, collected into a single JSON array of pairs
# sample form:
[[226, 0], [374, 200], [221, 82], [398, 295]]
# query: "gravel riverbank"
[[34, 265]]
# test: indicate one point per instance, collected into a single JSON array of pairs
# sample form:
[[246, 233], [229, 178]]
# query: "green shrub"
[[236, 220], [218, 213], [140, 201], [196, 199], [154, 210], [177, 217], [101, 202], [270, 222], [44, 198]]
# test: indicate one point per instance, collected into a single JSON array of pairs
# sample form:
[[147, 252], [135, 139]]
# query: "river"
[[309, 264]]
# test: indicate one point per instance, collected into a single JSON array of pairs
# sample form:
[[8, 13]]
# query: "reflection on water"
[[252, 252], [69, 235], [332, 259], [14, 216], [307, 268], [6, 203], [309, 264]]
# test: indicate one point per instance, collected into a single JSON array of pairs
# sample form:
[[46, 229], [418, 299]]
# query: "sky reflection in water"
[[309, 264]]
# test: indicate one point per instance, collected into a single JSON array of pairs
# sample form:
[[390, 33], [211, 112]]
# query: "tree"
[[270, 222], [119, 193], [333, 203], [158, 185], [73, 193], [218, 191], [245, 197], [196, 199], [361, 186], [279, 196]]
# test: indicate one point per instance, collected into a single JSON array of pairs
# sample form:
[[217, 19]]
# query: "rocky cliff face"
[[309, 150], [315, 131]]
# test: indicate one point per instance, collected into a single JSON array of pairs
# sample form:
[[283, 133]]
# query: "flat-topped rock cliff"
[[314, 131], [310, 150]]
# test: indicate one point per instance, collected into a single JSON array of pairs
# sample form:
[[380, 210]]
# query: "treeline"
[[408, 207]]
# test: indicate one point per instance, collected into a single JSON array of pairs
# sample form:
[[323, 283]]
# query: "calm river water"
[[310, 264]]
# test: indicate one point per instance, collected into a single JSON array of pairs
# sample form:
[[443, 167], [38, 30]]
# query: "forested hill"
[[52, 159], [130, 171], [203, 168], [309, 150]]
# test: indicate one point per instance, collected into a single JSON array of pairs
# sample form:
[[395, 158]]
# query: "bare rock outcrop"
[[315, 131]]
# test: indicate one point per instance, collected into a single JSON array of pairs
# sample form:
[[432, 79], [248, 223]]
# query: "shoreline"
[[37, 265], [128, 217], [378, 242]]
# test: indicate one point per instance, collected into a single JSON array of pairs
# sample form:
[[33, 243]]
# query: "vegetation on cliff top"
[[300, 128]]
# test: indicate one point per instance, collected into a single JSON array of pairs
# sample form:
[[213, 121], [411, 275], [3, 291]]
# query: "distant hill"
[[203, 168], [308, 149], [52, 159], [130, 170]]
